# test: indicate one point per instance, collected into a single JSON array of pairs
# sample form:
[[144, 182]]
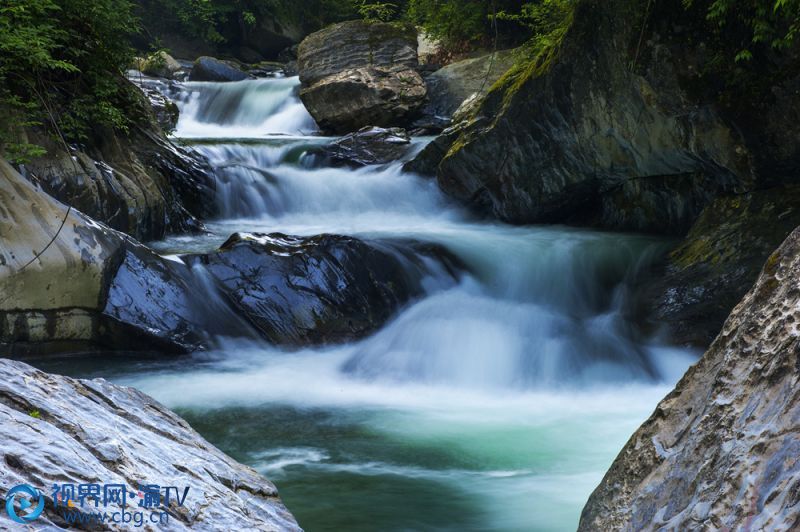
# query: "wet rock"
[[719, 260], [266, 69], [212, 69], [57, 430], [356, 74], [68, 283], [370, 145], [721, 450], [323, 289]]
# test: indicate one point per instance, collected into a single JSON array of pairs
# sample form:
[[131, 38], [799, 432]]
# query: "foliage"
[[747, 24], [60, 64], [378, 11]]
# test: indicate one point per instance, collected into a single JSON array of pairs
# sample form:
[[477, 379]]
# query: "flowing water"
[[493, 404]]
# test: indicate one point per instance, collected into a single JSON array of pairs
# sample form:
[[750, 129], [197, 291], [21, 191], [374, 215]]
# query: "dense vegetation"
[[61, 61]]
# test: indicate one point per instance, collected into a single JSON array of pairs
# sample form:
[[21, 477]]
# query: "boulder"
[[713, 267], [721, 451], [356, 74], [451, 85], [576, 135], [370, 145], [212, 69], [68, 283], [322, 289], [161, 65], [57, 430]]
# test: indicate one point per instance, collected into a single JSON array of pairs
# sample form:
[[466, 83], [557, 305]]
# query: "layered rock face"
[[583, 138], [58, 430], [356, 74], [721, 451], [70, 283], [139, 183]]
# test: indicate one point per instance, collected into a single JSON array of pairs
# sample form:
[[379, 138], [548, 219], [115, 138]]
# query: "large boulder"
[[721, 451], [322, 289], [356, 74], [207, 68], [710, 271], [597, 130], [370, 145], [59, 431]]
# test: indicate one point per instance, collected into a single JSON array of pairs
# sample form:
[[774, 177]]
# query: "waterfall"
[[493, 403]]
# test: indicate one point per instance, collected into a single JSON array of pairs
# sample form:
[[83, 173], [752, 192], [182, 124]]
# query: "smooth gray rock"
[[356, 74], [721, 451], [58, 430], [212, 69]]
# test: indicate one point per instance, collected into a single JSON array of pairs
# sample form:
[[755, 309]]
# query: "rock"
[[581, 138], [266, 69], [356, 74], [721, 450], [211, 69], [136, 182], [323, 289], [719, 260], [57, 430], [428, 48], [451, 85], [68, 283], [274, 34], [370, 145], [161, 65]]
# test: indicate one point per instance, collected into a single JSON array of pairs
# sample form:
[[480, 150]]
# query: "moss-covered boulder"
[[356, 74]]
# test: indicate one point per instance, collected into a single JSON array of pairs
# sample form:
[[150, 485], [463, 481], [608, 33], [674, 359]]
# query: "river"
[[493, 403]]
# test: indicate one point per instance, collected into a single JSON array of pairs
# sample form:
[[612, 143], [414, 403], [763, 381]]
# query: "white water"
[[528, 375]]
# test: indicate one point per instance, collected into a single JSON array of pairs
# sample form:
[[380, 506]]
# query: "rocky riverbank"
[[59, 431]]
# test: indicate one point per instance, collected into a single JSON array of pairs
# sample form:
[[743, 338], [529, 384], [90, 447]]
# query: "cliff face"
[[722, 451], [58, 430]]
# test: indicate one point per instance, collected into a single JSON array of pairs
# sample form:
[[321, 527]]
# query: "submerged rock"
[[719, 260], [57, 430], [370, 145], [721, 450], [212, 69], [322, 289], [356, 74]]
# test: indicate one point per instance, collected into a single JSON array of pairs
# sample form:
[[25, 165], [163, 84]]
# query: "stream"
[[495, 403]]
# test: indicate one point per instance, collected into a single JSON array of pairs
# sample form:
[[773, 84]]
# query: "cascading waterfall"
[[495, 404]]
